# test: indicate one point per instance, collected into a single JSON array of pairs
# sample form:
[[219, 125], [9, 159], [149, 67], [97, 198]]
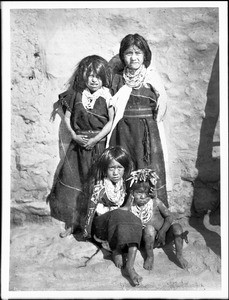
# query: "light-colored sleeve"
[[155, 80], [101, 209], [107, 95]]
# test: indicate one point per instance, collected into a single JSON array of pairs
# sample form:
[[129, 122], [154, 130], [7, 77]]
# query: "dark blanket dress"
[[118, 227], [67, 198], [138, 133]]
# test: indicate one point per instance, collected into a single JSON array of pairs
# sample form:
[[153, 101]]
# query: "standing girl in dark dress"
[[140, 104], [88, 117]]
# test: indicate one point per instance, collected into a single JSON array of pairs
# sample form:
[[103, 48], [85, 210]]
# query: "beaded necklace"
[[115, 193], [134, 79], [144, 212]]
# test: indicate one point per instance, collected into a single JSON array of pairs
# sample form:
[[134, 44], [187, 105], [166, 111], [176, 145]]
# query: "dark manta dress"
[[67, 198], [118, 227], [138, 133]]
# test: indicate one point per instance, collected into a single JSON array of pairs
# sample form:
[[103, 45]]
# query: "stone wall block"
[[181, 199]]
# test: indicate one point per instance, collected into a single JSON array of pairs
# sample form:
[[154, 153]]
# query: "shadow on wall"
[[206, 198]]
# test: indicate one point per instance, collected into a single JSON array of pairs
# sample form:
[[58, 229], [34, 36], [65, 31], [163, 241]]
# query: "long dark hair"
[[98, 170], [138, 41], [90, 64], [117, 153]]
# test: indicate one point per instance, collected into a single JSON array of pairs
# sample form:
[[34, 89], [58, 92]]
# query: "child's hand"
[[90, 144], [160, 238], [80, 139]]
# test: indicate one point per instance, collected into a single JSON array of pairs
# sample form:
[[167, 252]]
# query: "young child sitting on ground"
[[157, 222], [106, 221]]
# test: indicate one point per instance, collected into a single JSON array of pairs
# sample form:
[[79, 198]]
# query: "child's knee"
[[177, 229], [150, 232]]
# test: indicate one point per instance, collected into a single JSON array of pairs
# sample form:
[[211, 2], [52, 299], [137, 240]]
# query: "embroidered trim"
[[137, 116], [71, 187], [140, 109], [64, 102], [146, 97], [97, 115]]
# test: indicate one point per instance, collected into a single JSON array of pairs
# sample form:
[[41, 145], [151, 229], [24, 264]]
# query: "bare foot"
[[117, 258], [148, 264], [66, 232], [183, 262], [136, 279]]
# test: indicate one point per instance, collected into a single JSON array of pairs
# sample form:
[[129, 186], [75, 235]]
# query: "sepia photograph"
[[115, 150]]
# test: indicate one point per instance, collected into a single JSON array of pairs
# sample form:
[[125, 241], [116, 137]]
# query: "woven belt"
[[138, 113]]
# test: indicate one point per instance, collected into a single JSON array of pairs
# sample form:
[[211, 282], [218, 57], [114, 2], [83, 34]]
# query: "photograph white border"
[[6, 124]]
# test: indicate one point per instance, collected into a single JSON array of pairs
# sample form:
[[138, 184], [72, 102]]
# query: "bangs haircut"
[[138, 41], [120, 155], [99, 67], [91, 64]]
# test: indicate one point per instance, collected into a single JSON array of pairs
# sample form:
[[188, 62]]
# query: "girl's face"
[[115, 171], [94, 82], [141, 196], [133, 57]]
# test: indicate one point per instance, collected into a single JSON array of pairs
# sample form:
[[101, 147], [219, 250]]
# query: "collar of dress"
[[88, 99]]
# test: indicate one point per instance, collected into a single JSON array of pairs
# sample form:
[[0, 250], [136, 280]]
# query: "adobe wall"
[[47, 44]]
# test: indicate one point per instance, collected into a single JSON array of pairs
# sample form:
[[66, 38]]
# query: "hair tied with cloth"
[[143, 175]]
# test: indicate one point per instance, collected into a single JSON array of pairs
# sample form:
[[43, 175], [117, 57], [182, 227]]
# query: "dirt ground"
[[42, 261]]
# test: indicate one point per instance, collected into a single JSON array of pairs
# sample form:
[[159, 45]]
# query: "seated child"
[[117, 229], [157, 221]]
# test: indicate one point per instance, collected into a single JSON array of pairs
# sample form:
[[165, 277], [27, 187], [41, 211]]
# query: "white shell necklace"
[[115, 193]]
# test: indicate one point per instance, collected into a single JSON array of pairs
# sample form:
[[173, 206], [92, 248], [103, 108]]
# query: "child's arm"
[[80, 139], [128, 203], [168, 219], [104, 132]]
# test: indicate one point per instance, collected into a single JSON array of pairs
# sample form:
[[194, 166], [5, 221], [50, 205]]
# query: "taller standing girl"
[[140, 104], [88, 117]]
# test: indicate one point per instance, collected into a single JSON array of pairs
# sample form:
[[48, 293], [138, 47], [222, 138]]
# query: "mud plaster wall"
[[47, 44]]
